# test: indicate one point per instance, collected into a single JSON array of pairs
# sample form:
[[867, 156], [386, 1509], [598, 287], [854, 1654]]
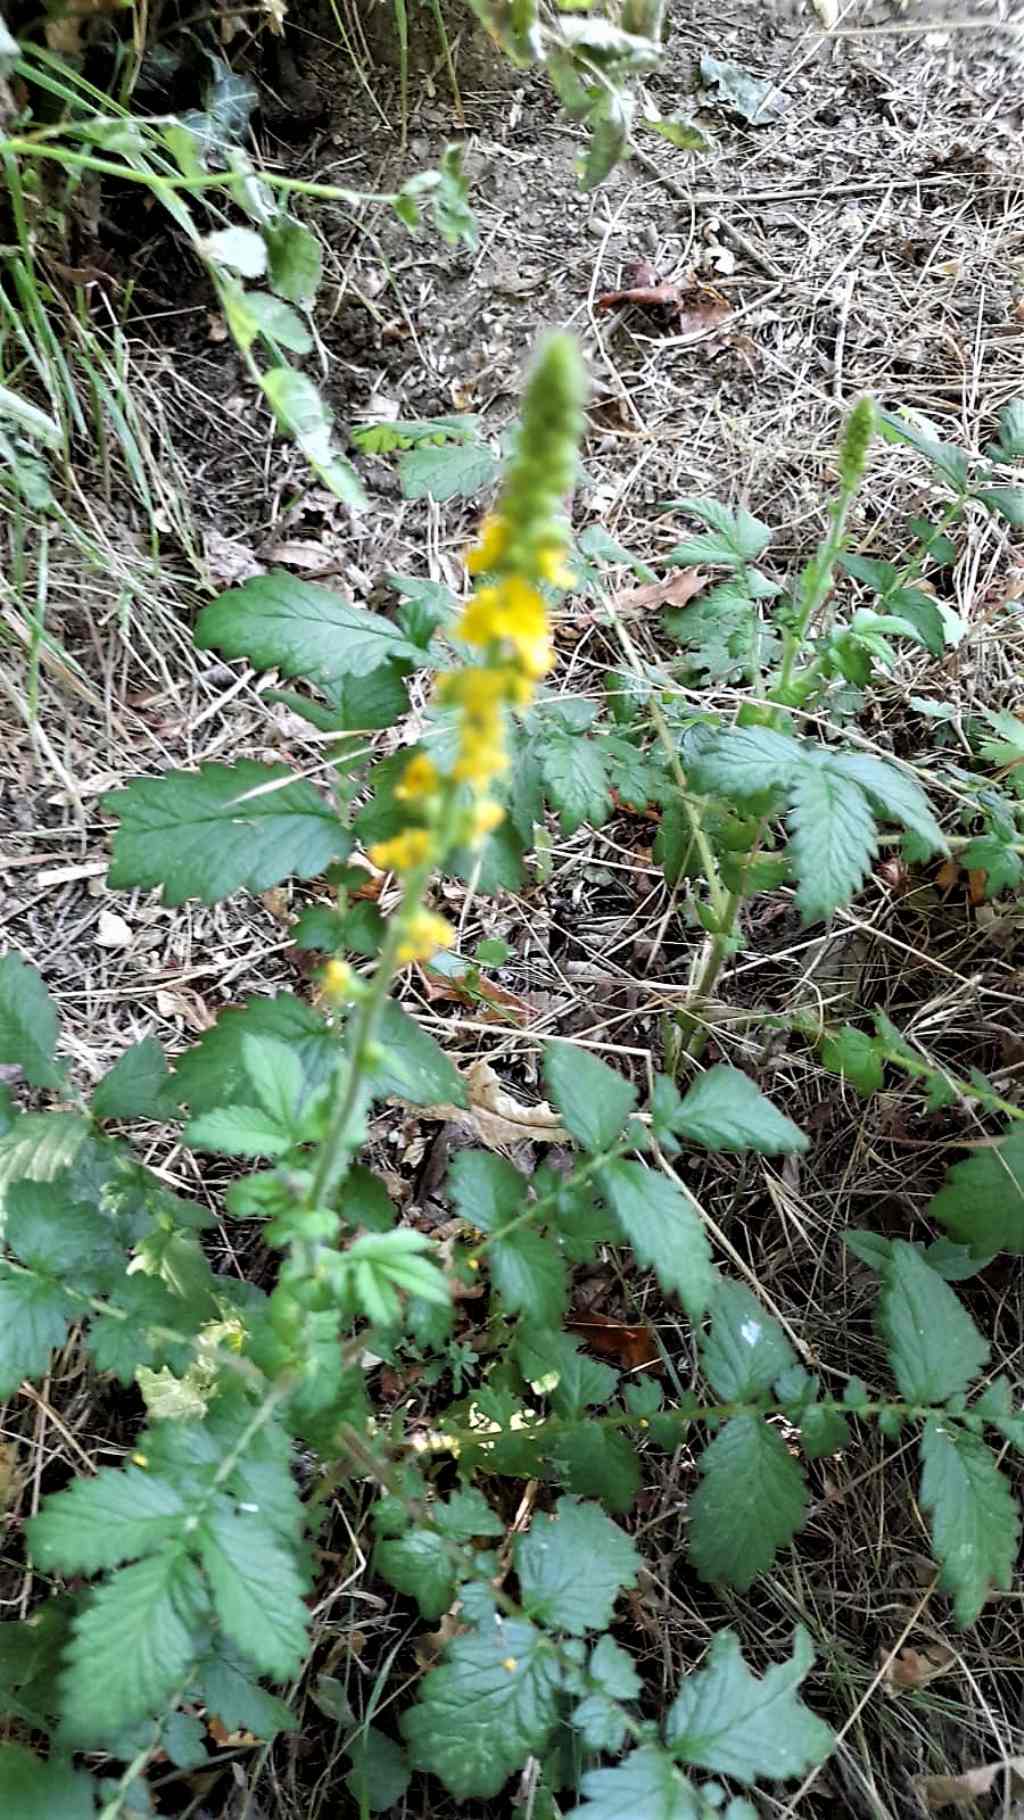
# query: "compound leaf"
[[529, 1273], [98, 1523], [548, 1559], [257, 1590], [207, 833], [896, 795], [737, 1724], [975, 1524], [746, 1349], [832, 839], [750, 1502], [132, 1647]]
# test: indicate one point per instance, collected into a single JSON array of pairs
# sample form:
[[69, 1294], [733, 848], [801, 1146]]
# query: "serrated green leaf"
[[414, 1067], [750, 1502], [553, 1591], [598, 1462], [454, 471], [121, 1341], [380, 1774], [949, 462], [34, 1790], [98, 1523], [35, 1314], [613, 1671], [363, 1200], [975, 1524], [725, 1110], [736, 536], [580, 1381], [467, 1514], [856, 1055], [59, 1237], [746, 1349], [487, 1190], [257, 1590], [737, 1724], [278, 322], [207, 833], [593, 1099], [1007, 502], [138, 1086], [664, 1228], [302, 629], [28, 1023], [982, 1200], [600, 1723], [896, 795], [239, 1131], [529, 1274], [646, 1785], [934, 1348], [832, 839], [492, 1703], [230, 1691], [132, 1646], [745, 764], [996, 1406], [212, 1073], [576, 780], [295, 260], [422, 1565]]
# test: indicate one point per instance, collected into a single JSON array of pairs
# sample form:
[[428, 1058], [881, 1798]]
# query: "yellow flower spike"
[[552, 566], [483, 618], [484, 818], [419, 779], [403, 853], [338, 981], [488, 553], [423, 935]]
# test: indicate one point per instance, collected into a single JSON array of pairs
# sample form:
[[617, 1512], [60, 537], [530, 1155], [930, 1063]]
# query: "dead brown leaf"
[[960, 1791], [496, 1117], [688, 309], [913, 1668], [671, 591], [508, 1007], [229, 560], [307, 554], [631, 1348]]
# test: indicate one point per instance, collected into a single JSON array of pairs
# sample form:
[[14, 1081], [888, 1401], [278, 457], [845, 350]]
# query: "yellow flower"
[[552, 566], [488, 553], [419, 779], [484, 818], [483, 620], [423, 935], [338, 980], [403, 853], [481, 756]]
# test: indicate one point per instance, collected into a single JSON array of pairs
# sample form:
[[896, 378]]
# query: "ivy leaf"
[[138, 1086], [98, 1523], [576, 780], [257, 1590], [934, 1348], [750, 1502], [132, 1646], [832, 839], [35, 1314], [455, 471], [664, 1228], [982, 1200], [725, 1110], [414, 1067], [28, 1023], [207, 833], [895, 795], [975, 1524], [34, 1790], [302, 629], [736, 1724], [420, 1564], [553, 1591], [593, 1099], [646, 1785], [855, 1055], [529, 1273], [491, 1704], [746, 1349]]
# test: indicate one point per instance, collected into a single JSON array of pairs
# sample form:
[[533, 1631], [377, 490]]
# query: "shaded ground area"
[[869, 236]]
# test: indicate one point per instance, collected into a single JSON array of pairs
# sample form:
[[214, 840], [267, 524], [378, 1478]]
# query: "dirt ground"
[[868, 237]]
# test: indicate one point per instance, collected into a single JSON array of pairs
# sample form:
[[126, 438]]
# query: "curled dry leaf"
[[913, 1668], [674, 590], [962, 1791], [631, 1348], [496, 1117], [685, 309]]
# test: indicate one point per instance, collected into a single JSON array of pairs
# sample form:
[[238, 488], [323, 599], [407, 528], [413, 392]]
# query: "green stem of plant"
[[818, 584]]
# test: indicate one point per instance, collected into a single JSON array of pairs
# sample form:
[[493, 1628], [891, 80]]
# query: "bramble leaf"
[[548, 1560], [593, 1099], [257, 1590], [975, 1523], [301, 629], [982, 1200], [28, 1023], [207, 833], [664, 1228], [98, 1523], [934, 1348], [737, 1724], [750, 1502], [746, 1349], [832, 839], [132, 1646], [492, 1703], [726, 1110]]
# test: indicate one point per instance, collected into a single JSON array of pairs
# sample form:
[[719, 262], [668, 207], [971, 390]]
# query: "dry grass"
[[870, 240]]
